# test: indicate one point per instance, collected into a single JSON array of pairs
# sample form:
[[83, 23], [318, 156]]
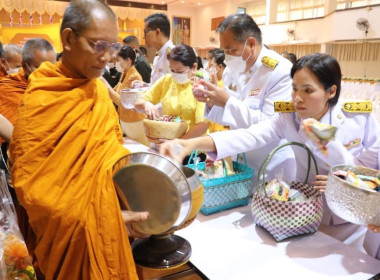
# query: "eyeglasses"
[[101, 46]]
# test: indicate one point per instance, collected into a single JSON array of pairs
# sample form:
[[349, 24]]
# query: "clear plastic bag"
[[15, 262]]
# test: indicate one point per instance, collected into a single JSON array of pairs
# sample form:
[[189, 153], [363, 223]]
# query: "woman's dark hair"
[[127, 52], [325, 67], [184, 54], [219, 57]]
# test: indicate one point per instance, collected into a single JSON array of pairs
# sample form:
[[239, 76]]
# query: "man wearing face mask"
[[12, 87], [10, 62], [254, 78]]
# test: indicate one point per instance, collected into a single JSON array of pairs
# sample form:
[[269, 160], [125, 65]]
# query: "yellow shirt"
[[176, 100], [127, 79], [214, 127]]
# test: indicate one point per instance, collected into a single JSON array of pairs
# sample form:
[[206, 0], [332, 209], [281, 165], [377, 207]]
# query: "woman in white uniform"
[[316, 89]]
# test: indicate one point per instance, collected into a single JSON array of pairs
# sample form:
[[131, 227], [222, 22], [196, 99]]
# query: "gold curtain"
[[57, 7], [365, 51], [298, 50]]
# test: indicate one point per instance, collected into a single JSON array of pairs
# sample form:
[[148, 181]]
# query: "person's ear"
[[195, 66], [68, 37], [251, 42], [4, 63], [332, 91]]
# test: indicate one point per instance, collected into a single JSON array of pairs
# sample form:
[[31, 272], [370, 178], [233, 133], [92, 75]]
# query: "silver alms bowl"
[[354, 204]]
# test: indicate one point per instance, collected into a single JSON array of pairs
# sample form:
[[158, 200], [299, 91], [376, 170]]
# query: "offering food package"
[[200, 75], [319, 133], [357, 180], [219, 168], [278, 189], [15, 262]]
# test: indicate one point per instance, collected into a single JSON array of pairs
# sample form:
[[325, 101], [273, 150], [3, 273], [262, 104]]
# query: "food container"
[[128, 97], [165, 130], [353, 204], [153, 183]]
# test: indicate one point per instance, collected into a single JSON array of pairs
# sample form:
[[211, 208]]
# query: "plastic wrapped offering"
[[319, 133], [200, 75], [15, 262], [278, 189]]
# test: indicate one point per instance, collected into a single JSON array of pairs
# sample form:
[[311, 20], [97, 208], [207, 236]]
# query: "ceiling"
[[185, 3]]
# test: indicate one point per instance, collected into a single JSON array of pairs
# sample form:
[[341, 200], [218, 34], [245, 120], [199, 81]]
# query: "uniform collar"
[[162, 51], [258, 62]]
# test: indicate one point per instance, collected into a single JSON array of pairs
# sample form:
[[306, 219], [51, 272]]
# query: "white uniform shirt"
[[161, 63], [252, 100], [357, 142]]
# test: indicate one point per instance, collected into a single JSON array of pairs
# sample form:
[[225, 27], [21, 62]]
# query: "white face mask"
[[111, 65], [13, 70], [118, 67], [237, 63], [181, 78]]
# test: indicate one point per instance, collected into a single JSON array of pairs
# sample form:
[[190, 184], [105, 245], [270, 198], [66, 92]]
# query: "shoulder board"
[[284, 107], [270, 62], [357, 107], [168, 50]]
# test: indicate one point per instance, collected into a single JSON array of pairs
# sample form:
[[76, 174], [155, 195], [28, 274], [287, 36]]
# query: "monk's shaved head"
[[79, 13], [11, 50], [36, 44]]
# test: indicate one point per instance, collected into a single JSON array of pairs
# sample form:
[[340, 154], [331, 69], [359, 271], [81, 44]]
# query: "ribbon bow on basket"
[[283, 219]]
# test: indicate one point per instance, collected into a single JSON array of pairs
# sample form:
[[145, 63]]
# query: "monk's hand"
[[130, 217], [151, 111], [211, 94], [320, 183], [374, 228]]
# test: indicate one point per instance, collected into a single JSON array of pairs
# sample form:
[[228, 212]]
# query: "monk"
[[10, 61], [65, 143], [12, 87]]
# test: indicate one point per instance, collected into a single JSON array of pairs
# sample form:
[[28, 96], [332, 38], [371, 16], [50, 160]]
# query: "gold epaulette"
[[358, 107], [270, 62], [284, 107]]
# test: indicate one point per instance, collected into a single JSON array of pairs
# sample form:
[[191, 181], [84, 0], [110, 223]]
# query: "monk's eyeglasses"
[[101, 46]]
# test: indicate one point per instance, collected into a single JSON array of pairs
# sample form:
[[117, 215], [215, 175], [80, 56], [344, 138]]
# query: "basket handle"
[[194, 154], [264, 165]]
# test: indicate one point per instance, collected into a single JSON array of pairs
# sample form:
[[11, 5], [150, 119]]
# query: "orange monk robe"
[[65, 142], [12, 89], [2, 74]]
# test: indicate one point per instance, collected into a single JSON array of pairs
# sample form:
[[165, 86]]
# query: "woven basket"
[[226, 192], [283, 219], [165, 130]]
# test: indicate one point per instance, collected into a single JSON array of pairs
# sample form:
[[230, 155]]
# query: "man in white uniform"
[[255, 77], [157, 36]]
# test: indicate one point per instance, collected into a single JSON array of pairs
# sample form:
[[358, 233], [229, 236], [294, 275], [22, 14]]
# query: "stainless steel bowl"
[[356, 205], [153, 183]]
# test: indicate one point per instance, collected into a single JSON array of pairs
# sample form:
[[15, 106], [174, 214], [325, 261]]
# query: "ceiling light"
[[199, 3], [182, 1]]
